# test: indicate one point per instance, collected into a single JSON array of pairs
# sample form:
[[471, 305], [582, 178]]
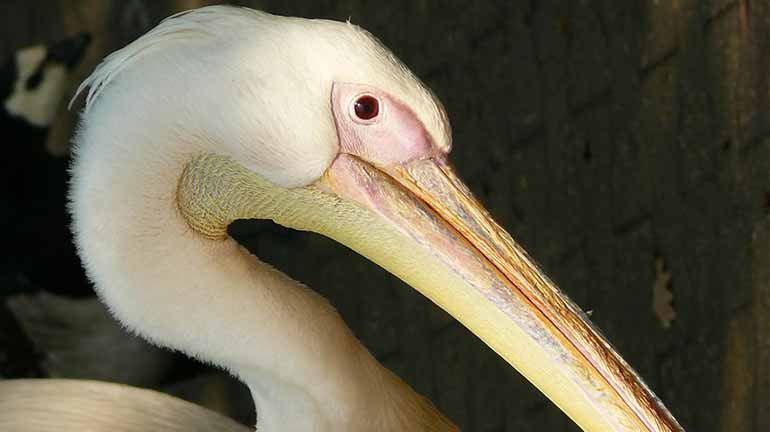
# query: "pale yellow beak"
[[418, 221], [424, 225]]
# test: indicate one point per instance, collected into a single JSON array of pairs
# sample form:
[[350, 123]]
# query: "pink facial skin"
[[394, 136]]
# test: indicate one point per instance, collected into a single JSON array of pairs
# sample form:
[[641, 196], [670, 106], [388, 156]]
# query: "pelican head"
[[224, 113]]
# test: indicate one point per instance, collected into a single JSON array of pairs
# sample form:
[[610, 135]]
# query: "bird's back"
[[57, 405]]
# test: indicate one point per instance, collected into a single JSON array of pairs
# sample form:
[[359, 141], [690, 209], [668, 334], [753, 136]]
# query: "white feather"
[[255, 87]]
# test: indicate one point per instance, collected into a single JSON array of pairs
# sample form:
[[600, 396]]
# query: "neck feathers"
[[135, 228]]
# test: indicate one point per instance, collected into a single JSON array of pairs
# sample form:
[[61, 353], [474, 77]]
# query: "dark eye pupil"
[[367, 107]]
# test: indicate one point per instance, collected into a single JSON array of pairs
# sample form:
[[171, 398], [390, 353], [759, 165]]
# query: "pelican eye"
[[366, 107]]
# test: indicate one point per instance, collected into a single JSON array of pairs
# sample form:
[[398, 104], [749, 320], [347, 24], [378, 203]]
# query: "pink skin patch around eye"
[[393, 135]]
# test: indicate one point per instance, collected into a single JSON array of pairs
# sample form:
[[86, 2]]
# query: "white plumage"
[[211, 81], [92, 406]]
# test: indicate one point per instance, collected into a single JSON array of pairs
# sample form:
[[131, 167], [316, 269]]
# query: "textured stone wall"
[[626, 144]]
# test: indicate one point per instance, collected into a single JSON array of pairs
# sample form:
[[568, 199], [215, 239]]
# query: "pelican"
[[225, 113]]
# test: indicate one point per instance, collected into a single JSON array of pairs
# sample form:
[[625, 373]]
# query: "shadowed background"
[[626, 145]]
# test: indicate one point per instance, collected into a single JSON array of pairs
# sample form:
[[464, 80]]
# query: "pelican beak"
[[424, 225]]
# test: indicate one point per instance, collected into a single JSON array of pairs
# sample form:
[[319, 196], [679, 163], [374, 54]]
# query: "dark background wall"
[[626, 144]]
